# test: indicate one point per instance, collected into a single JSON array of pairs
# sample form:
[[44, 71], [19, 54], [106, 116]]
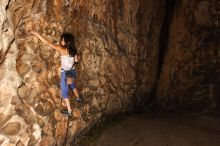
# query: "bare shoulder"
[[61, 49]]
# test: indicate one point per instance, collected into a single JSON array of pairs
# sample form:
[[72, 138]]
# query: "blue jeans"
[[64, 85]]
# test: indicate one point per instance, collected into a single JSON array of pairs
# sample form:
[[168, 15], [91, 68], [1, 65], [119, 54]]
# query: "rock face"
[[190, 78], [129, 50], [118, 45]]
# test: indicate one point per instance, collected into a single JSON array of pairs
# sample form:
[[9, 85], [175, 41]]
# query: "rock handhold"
[[3, 119], [12, 128], [24, 92], [20, 143], [15, 100]]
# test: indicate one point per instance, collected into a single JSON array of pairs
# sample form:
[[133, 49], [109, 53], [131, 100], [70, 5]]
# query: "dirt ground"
[[160, 130]]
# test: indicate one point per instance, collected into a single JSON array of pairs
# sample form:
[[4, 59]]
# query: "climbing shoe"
[[64, 111], [79, 100], [69, 115]]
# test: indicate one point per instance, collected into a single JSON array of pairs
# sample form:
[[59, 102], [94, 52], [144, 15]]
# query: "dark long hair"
[[69, 43]]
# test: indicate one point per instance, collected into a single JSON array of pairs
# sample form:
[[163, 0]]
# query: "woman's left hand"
[[33, 32]]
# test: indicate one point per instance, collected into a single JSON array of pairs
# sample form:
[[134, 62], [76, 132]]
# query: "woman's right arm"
[[76, 58], [48, 43]]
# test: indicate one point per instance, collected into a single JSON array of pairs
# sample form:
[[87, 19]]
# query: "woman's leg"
[[73, 86], [78, 98], [64, 91], [67, 101], [76, 92]]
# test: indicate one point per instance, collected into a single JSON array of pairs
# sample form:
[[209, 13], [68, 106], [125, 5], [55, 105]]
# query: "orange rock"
[[3, 119], [58, 116], [20, 143], [48, 141], [61, 132], [77, 113], [12, 128]]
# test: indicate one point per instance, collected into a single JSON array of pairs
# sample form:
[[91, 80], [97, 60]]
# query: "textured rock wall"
[[123, 45], [10, 124], [190, 74], [117, 42]]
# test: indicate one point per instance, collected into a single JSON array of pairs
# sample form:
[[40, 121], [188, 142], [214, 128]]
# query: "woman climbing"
[[68, 60]]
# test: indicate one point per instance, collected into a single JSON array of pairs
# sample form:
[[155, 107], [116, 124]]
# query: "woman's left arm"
[[48, 43]]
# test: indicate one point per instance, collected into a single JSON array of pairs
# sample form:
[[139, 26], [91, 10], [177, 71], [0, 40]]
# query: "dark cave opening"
[[150, 103], [164, 34]]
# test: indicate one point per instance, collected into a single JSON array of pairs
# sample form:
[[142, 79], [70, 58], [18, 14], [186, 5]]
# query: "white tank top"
[[67, 62]]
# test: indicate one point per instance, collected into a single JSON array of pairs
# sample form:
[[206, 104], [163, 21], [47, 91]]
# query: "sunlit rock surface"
[[130, 51], [118, 45]]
